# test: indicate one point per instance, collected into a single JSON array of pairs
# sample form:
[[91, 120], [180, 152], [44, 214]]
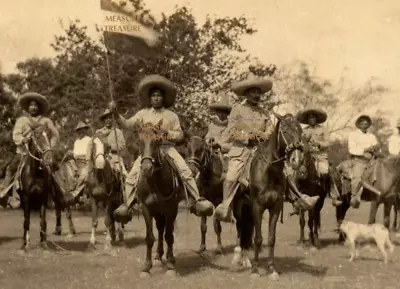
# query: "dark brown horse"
[[207, 165], [267, 185], [37, 183], [103, 185], [159, 196], [308, 182], [385, 176]]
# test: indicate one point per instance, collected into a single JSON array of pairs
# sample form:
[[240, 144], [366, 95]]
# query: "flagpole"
[[110, 87]]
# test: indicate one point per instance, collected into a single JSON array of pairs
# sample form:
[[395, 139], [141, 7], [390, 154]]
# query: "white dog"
[[355, 232]]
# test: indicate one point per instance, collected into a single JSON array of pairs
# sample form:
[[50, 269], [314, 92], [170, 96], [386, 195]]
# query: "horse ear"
[[278, 116]]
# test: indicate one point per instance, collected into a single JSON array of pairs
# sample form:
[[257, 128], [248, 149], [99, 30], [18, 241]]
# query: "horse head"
[[289, 140], [198, 154], [39, 146], [150, 138]]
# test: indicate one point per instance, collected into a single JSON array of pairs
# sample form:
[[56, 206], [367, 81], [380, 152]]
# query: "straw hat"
[[153, 81], [303, 115], [223, 104], [81, 125], [363, 117], [240, 87], [41, 100]]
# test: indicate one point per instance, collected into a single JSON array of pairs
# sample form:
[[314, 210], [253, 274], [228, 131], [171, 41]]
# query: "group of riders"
[[235, 131]]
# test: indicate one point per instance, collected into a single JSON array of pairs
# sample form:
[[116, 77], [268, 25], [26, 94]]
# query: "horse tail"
[[247, 225]]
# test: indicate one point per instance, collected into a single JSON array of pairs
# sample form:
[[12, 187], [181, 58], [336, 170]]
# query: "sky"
[[358, 39]]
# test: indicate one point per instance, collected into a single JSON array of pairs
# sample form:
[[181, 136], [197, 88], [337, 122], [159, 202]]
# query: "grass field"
[[70, 265]]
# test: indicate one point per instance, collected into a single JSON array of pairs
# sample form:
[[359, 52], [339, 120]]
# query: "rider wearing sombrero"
[[158, 93], [114, 140], [246, 121], [362, 146], [318, 138], [219, 123], [36, 106]]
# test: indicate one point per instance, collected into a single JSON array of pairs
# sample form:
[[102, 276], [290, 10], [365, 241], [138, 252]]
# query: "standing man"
[[158, 94], [318, 138]]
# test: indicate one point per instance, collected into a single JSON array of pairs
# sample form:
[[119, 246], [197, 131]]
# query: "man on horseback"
[[317, 137], [159, 94], [114, 140], [363, 146], [394, 141], [247, 123], [36, 106], [219, 124]]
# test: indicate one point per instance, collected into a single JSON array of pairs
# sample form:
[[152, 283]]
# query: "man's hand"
[[112, 106]]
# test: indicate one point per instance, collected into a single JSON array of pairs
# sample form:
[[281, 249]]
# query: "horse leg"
[[71, 227], [302, 223], [121, 232], [237, 256], [203, 229], [148, 218], [43, 225], [27, 215], [218, 231], [372, 212], [58, 229], [311, 217], [95, 208], [160, 224], [273, 220], [387, 206], [257, 213], [341, 211], [169, 239], [110, 225]]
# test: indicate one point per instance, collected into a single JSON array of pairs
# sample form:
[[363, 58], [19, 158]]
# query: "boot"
[[124, 213], [200, 206], [333, 190], [223, 212]]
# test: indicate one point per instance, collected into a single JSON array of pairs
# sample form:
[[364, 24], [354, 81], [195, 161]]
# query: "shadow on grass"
[[4, 239]]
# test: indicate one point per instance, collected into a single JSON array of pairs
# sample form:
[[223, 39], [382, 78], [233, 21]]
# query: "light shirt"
[[359, 141], [394, 144], [83, 147], [168, 119], [108, 136]]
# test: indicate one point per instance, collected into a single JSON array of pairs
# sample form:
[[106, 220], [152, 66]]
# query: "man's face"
[[108, 122], [157, 99], [33, 108], [312, 120], [364, 125], [82, 132], [253, 95], [222, 115]]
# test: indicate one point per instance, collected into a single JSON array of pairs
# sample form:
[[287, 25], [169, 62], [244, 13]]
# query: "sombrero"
[[106, 112], [42, 101], [302, 116], [152, 81], [81, 125], [240, 87], [223, 104], [363, 117]]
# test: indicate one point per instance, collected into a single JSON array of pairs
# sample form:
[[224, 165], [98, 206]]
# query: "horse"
[[384, 174], [207, 164], [266, 190], [103, 184], [159, 193], [37, 183], [309, 183]]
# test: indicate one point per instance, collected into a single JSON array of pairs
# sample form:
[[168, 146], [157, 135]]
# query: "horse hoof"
[[219, 251], [157, 262], [170, 273], [69, 236], [91, 247], [314, 249], [57, 232], [22, 252], [274, 276], [201, 250], [255, 275], [44, 246], [144, 275]]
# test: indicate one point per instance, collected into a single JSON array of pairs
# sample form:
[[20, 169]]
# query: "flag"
[[124, 33]]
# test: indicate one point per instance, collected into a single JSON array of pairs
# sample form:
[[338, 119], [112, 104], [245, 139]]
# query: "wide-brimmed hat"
[[157, 81], [320, 115], [223, 104], [363, 117], [41, 100], [81, 125], [106, 113], [240, 87]]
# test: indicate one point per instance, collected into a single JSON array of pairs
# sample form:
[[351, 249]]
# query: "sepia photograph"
[[199, 144]]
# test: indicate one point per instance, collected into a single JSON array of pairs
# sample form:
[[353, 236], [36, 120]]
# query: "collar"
[[152, 109]]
